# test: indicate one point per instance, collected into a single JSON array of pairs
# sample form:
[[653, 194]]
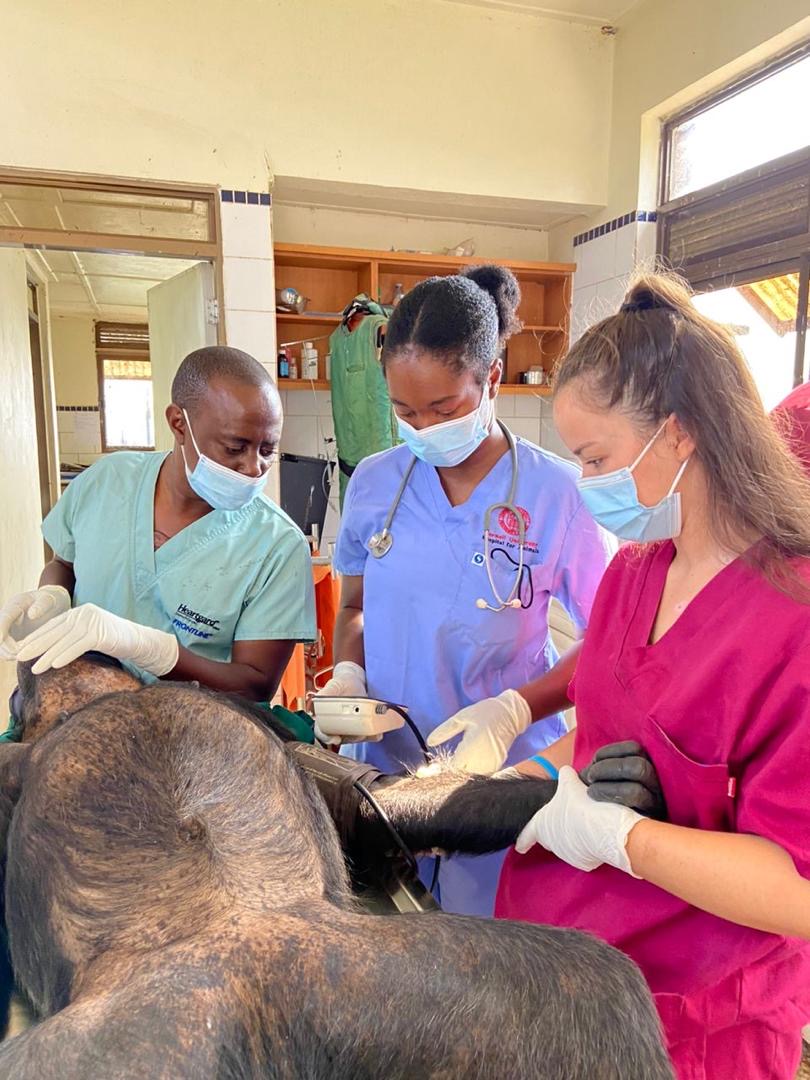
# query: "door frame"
[[209, 250], [35, 279]]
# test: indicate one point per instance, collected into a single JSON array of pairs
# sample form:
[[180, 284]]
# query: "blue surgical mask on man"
[[453, 441], [613, 502], [221, 487]]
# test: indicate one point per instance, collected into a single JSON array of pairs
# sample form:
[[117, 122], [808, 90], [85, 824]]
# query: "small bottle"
[[328, 366], [309, 361], [293, 368], [399, 292], [283, 364]]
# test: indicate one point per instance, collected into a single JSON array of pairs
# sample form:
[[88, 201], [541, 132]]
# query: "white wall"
[[74, 359], [21, 550], [73, 347], [411, 94], [667, 56], [325, 226]]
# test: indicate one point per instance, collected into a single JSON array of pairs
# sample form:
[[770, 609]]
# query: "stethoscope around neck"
[[381, 542]]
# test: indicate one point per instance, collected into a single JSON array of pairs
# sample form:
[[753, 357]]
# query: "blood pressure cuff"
[[335, 777]]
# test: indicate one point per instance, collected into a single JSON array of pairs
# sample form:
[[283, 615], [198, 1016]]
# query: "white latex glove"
[[26, 612], [489, 728], [579, 830], [348, 680], [88, 628]]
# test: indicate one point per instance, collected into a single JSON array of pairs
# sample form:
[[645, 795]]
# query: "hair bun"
[[502, 286], [657, 292]]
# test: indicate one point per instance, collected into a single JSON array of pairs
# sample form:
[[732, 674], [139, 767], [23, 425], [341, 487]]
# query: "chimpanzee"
[[177, 906]]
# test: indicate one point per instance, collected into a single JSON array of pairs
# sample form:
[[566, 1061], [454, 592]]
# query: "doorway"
[[108, 251], [119, 325]]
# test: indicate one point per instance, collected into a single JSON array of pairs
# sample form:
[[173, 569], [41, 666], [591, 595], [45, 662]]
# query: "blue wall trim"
[[248, 198], [616, 223]]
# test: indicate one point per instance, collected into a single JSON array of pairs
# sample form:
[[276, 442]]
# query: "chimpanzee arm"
[[442, 808], [451, 811]]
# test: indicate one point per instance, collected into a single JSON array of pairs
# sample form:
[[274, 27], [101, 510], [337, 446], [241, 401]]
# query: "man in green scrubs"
[[178, 564]]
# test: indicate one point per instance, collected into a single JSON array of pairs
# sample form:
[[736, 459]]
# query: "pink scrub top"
[[721, 703], [793, 419]]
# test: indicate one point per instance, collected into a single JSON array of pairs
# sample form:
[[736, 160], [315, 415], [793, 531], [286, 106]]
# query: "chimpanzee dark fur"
[[178, 907]]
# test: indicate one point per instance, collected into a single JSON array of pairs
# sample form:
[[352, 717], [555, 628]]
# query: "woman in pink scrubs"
[[698, 647]]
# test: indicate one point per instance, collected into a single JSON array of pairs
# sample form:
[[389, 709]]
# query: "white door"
[[181, 319], [21, 551]]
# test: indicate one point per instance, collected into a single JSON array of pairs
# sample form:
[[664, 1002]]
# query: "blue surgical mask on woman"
[[453, 441], [221, 487], [613, 502]]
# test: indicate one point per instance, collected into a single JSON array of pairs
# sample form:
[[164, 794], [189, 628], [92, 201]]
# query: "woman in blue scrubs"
[[435, 615]]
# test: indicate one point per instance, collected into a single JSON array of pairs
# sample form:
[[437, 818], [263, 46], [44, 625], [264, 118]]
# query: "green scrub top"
[[241, 575]]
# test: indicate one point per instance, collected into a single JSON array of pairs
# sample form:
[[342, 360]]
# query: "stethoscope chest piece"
[[380, 543]]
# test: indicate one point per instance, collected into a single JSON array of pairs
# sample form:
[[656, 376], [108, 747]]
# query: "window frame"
[[708, 101], [106, 353], [753, 261]]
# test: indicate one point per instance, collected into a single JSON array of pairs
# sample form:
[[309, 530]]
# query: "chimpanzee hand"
[[622, 773]]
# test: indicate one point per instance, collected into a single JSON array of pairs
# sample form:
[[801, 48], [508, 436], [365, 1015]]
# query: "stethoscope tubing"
[[380, 543]]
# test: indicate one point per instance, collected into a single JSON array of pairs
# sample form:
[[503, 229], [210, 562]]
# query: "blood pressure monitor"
[[356, 716]]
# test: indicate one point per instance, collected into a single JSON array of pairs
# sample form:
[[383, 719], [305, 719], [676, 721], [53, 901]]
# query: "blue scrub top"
[[242, 575], [427, 645]]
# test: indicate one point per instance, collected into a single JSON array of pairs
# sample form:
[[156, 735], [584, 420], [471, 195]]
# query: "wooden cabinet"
[[330, 277]]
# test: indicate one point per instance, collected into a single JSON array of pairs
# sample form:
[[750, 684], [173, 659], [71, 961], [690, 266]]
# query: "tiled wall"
[[308, 427], [249, 284], [606, 257], [79, 428], [530, 417], [249, 299]]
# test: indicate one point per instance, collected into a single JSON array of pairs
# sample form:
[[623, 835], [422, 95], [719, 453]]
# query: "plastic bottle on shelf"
[[309, 361], [283, 364], [328, 366], [399, 292], [293, 368]]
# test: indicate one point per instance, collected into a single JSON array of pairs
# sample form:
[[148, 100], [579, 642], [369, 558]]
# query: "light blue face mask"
[[447, 444], [613, 502], [221, 487]]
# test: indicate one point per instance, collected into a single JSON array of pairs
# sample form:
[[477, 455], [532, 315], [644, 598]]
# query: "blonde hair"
[[658, 355]]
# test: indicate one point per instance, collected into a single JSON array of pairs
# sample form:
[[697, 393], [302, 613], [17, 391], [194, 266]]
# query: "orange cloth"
[[327, 601], [294, 681]]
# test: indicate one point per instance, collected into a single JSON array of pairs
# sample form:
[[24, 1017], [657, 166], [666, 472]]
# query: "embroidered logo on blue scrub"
[[478, 559], [192, 622]]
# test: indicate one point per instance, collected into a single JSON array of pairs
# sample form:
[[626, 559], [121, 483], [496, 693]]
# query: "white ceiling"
[[102, 285], [601, 12]]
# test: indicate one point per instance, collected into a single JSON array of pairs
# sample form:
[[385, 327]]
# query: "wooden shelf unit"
[[330, 277]]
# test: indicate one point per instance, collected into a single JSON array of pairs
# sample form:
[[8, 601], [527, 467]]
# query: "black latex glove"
[[622, 773]]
